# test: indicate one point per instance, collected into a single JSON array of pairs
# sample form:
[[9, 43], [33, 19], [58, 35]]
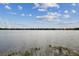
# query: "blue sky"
[[42, 15]]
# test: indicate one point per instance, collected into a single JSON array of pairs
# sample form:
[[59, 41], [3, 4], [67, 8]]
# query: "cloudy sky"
[[39, 15]]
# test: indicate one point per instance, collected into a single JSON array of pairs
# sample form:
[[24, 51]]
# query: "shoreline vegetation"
[[48, 51], [39, 28]]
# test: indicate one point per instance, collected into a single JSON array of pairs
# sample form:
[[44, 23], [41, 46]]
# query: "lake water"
[[25, 39]]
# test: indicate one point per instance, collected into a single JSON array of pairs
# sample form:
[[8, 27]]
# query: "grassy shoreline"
[[48, 51]]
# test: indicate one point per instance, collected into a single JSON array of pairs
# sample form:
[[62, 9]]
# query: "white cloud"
[[45, 5], [66, 16], [42, 9], [7, 7], [73, 4], [23, 14], [49, 17], [20, 7], [30, 15], [26, 14], [66, 11], [36, 5], [12, 13], [73, 11]]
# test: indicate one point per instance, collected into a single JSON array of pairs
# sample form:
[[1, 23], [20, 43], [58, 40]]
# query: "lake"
[[25, 39]]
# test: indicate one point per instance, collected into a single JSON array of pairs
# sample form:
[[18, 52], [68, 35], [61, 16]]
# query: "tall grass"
[[48, 51]]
